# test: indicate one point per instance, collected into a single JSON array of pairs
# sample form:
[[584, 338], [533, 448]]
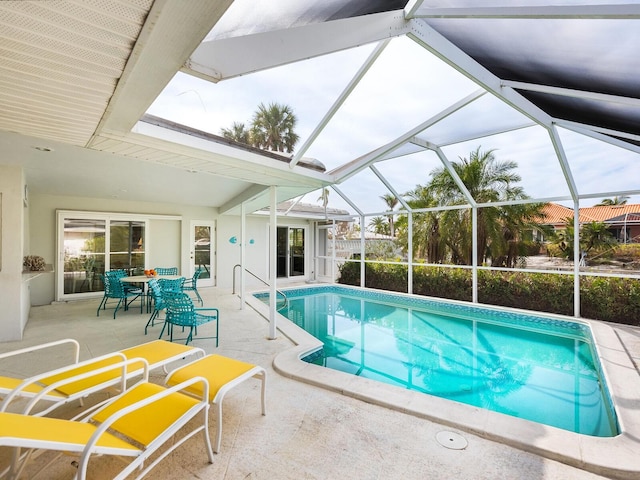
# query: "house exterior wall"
[[256, 250], [163, 250], [14, 299], [32, 231]]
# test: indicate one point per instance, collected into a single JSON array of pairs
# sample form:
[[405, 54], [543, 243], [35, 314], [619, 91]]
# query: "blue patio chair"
[[166, 271], [182, 313], [191, 285], [120, 273], [115, 289], [171, 286], [155, 293], [158, 287]]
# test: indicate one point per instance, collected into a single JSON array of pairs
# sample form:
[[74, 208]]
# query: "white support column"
[[410, 254], [474, 253], [333, 251], [362, 279], [576, 259], [243, 236], [273, 222]]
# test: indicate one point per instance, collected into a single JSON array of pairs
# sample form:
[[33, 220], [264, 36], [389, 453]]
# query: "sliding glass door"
[[90, 244], [290, 251]]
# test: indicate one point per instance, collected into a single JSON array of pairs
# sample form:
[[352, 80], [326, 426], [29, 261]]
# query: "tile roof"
[[555, 214]]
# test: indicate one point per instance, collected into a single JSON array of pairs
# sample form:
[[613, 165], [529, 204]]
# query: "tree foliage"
[[272, 128], [622, 200], [593, 237], [379, 225], [446, 235], [392, 202]]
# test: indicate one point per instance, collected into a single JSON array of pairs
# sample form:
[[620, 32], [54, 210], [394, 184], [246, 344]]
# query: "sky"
[[406, 86]]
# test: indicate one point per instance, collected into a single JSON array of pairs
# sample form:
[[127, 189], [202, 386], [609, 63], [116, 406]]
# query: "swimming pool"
[[614, 457], [540, 369]]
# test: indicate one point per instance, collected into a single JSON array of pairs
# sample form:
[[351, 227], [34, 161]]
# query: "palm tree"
[[596, 236], [622, 200], [427, 239], [487, 180], [324, 196], [379, 225], [593, 236], [391, 201], [238, 133], [515, 221], [272, 128]]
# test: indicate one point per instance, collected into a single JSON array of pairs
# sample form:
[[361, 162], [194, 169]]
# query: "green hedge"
[[602, 298]]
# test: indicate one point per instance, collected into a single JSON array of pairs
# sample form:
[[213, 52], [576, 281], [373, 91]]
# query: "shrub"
[[443, 282], [609, 299]]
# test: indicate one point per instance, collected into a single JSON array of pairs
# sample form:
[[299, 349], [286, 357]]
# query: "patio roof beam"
[[426, 36], [340, 100], [412, 7], [249, 194], [217, 59], [496, 131], [602, 134], [342, 173], [564, 164], [390, 188], [348, 200], [434, 42], [616, 12], [456, 178], [568, 92]]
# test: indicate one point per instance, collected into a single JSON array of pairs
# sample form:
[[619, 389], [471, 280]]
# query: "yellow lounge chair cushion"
[[9, 383], [218, 371], [146, 424], [158, 351], [63, 435], [92, 381]]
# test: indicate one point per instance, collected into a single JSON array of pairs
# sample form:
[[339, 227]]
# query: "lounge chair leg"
[[218, 409]]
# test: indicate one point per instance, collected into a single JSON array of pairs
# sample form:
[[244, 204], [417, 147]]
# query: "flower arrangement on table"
[[151, 273]]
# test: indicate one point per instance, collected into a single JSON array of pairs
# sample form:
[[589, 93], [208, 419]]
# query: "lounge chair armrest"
[[120, 363], [43, 346]]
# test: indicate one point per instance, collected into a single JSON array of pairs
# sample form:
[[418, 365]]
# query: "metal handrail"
[[257, 277]]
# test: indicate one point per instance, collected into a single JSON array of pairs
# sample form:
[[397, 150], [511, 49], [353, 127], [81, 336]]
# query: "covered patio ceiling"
[[78, 77]]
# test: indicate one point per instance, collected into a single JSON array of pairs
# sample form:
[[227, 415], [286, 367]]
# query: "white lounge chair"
[[134, 424]]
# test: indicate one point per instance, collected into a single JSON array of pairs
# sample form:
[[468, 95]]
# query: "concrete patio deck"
[[308, 432]]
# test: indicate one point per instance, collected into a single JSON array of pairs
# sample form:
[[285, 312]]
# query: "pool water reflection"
[[530, 367]]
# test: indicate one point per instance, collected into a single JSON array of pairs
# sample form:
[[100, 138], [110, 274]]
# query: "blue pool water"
[[538, 368]]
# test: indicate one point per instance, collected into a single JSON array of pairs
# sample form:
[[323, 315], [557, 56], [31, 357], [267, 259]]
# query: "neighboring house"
[[623, 221]]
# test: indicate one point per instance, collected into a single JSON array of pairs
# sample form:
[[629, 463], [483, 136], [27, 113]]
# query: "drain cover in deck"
[[451, 440]]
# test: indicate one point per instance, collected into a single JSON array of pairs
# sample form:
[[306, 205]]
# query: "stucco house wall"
[[32, 231]]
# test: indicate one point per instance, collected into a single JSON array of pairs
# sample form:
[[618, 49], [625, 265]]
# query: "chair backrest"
[[156, 293], [196, 276], [166, 270], [167, 285], [180, 309], [113, 287], [117, 273]]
